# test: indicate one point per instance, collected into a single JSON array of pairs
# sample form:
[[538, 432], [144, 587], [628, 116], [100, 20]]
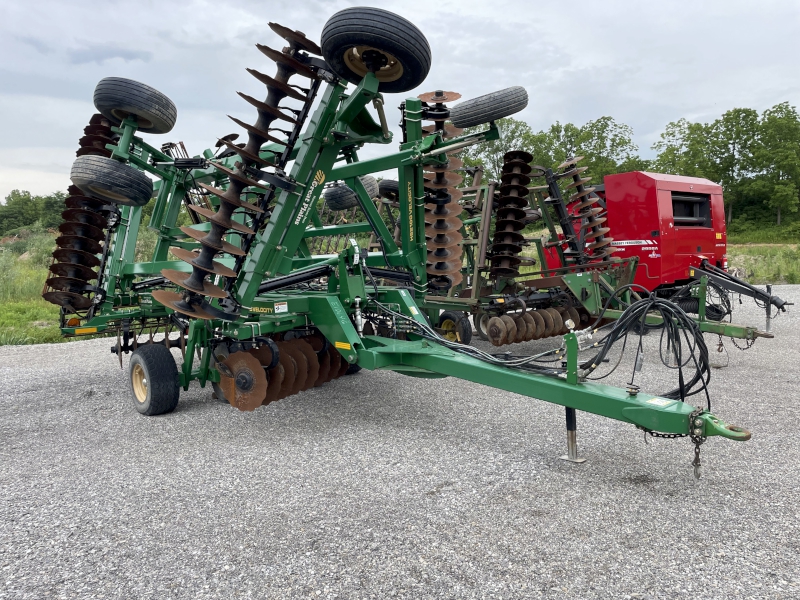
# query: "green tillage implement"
[[327, 151]]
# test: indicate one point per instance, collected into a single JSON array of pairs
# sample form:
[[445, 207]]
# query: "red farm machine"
[[281, 263]]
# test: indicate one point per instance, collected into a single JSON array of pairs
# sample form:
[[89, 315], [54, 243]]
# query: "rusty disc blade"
[[297, 37], [92, 151], [549, 325], [440, 268], [578, 195], [286, 60], [248, 384], [439, 97], [63, 269], [78, 257], [558, 323], [443, 225], [515, 179], [311, 360], [336, 362], [77, 242], [299, 382], [530, 326], [540, 325], [67, 284], [441, 240], [215, 217], [512, 190], [180, 278], [511, 327], [260, 133], [440, 211], [236, 175], [280, 86], [444, 179], [324, 369], [175, 302], [289, 373], [448, 253], [272, 111], [590, 235], [497, 331], [82, 230], [572, 172], [84, 203], [516, 166], [244, 154], [188, 256], [600, 243], [222, 245], [274, 382], [230, 197], [343, 366], [569, 162], [68, 299], [521, 155], [581, 181], [79, 215]]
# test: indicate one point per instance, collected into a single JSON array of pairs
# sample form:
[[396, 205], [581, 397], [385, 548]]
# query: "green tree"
[[19, 210], [777, 160], [50, 208], [682, 149], [514, 135]]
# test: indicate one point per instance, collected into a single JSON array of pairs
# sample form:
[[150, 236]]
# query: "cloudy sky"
[[643, 62]]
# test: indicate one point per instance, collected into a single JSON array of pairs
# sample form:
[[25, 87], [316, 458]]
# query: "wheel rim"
[[392, 71], [141, 122], [449, 328], [139, 382]]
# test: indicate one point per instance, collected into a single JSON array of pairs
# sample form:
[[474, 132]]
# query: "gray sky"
[[644, 63]]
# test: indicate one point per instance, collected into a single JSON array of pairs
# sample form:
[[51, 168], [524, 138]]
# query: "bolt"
[[698, 422], [350, 357], [698, 431]]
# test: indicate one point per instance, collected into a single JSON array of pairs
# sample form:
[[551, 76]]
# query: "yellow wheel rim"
[[449, 328], [392, 71], [139, 382]]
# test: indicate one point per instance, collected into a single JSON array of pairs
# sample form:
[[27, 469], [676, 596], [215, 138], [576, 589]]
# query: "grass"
[[760, 264]]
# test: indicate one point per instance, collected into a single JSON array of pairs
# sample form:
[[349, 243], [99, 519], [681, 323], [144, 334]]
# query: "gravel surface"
[[381, 486]]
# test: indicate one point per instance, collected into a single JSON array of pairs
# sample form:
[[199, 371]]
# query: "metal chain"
[[695, 434], [748, 342]]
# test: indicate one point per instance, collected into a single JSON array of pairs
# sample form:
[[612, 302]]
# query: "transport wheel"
[[340, 197], [117, 98], [108, 179], [456, 326], [490, 107], [154, 380], [370, 184], [389, 189], [361, 39], [481, 322]]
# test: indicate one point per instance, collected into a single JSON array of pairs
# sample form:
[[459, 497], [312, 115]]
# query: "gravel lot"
[[379, 486]]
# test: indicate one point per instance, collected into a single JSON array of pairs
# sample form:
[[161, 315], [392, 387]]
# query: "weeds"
[[766, 264]]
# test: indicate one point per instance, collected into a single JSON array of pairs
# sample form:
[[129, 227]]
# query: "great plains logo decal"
[[410, 213], [319, 179]]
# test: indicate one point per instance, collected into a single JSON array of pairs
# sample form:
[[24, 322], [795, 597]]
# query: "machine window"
[[691, 210]]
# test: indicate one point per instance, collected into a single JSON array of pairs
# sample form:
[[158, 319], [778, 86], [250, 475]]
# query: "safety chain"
[[748, 342], [697, 437], [695, 433]]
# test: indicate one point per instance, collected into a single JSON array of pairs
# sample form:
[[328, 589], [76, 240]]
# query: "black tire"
[[352, 369], [340, 197], [110, 180], [380, 30], [481, 322], [389, 189], [117, 98], [153, 377], [490, 107], [370, 184], [456, 322]]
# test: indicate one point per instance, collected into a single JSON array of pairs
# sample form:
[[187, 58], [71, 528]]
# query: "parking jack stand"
[[572, 438]]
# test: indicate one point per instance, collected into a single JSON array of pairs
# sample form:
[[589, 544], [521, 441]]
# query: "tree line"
[[755, 157], [23, 209]]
